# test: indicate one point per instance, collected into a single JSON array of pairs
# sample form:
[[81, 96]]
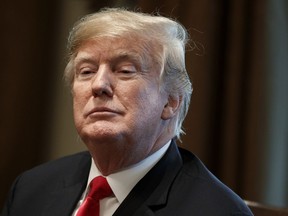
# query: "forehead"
[[108, 48]]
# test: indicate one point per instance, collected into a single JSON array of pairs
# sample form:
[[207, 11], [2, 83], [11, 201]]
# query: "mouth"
[[102, 111]]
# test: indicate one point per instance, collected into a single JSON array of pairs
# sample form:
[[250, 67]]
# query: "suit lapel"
[[63, 200], [151, 192]]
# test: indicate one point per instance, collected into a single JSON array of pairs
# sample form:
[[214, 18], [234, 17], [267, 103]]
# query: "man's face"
[[117, 96]]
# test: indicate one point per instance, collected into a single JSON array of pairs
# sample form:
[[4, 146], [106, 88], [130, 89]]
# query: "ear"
[[171, 107]]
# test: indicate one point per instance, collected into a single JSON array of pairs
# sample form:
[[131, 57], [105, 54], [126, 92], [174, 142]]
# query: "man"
[[131, 93]]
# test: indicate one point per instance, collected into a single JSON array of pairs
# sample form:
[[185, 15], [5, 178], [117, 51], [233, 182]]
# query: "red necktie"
[[99, 189]]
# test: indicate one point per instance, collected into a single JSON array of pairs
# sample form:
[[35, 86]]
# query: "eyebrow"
[[115, 58], [84, 58], [126, 55], [135, 57]]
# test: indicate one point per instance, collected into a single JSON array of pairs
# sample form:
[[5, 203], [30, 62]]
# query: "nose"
[[102, 82]]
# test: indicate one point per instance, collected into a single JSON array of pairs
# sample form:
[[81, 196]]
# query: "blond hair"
[[165, 32]]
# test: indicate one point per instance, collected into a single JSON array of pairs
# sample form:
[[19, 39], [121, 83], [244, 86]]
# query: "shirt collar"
[[122, 182]]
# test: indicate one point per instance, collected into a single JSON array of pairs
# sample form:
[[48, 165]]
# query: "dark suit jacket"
[[178, 185]]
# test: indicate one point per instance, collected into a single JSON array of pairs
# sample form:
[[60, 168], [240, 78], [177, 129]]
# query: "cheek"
[[78, 104], [147, 101], [80, 95], [77, 113]]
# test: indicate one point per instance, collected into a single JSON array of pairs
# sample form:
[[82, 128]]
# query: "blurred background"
[[238, 120]]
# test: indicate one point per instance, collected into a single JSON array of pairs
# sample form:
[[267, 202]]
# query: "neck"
[[113, 157]]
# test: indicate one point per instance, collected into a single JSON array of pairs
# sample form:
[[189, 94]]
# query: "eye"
[[126, 69], [85, 73]]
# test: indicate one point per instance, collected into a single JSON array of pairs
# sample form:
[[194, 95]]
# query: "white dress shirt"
[[122, 182]]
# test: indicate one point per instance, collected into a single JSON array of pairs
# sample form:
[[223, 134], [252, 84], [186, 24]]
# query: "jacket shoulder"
[[59, 167], [37, 186], [197, 185]]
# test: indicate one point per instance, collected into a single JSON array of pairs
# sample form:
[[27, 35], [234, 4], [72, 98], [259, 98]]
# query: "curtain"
[[27, 31], [276, 65]]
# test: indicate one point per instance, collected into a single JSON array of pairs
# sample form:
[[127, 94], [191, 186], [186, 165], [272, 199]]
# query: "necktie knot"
[[98, 189]]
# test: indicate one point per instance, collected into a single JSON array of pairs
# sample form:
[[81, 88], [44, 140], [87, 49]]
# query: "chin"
[[100, 134]]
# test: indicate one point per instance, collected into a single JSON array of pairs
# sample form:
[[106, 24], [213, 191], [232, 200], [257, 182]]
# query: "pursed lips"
[[102, 110]]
